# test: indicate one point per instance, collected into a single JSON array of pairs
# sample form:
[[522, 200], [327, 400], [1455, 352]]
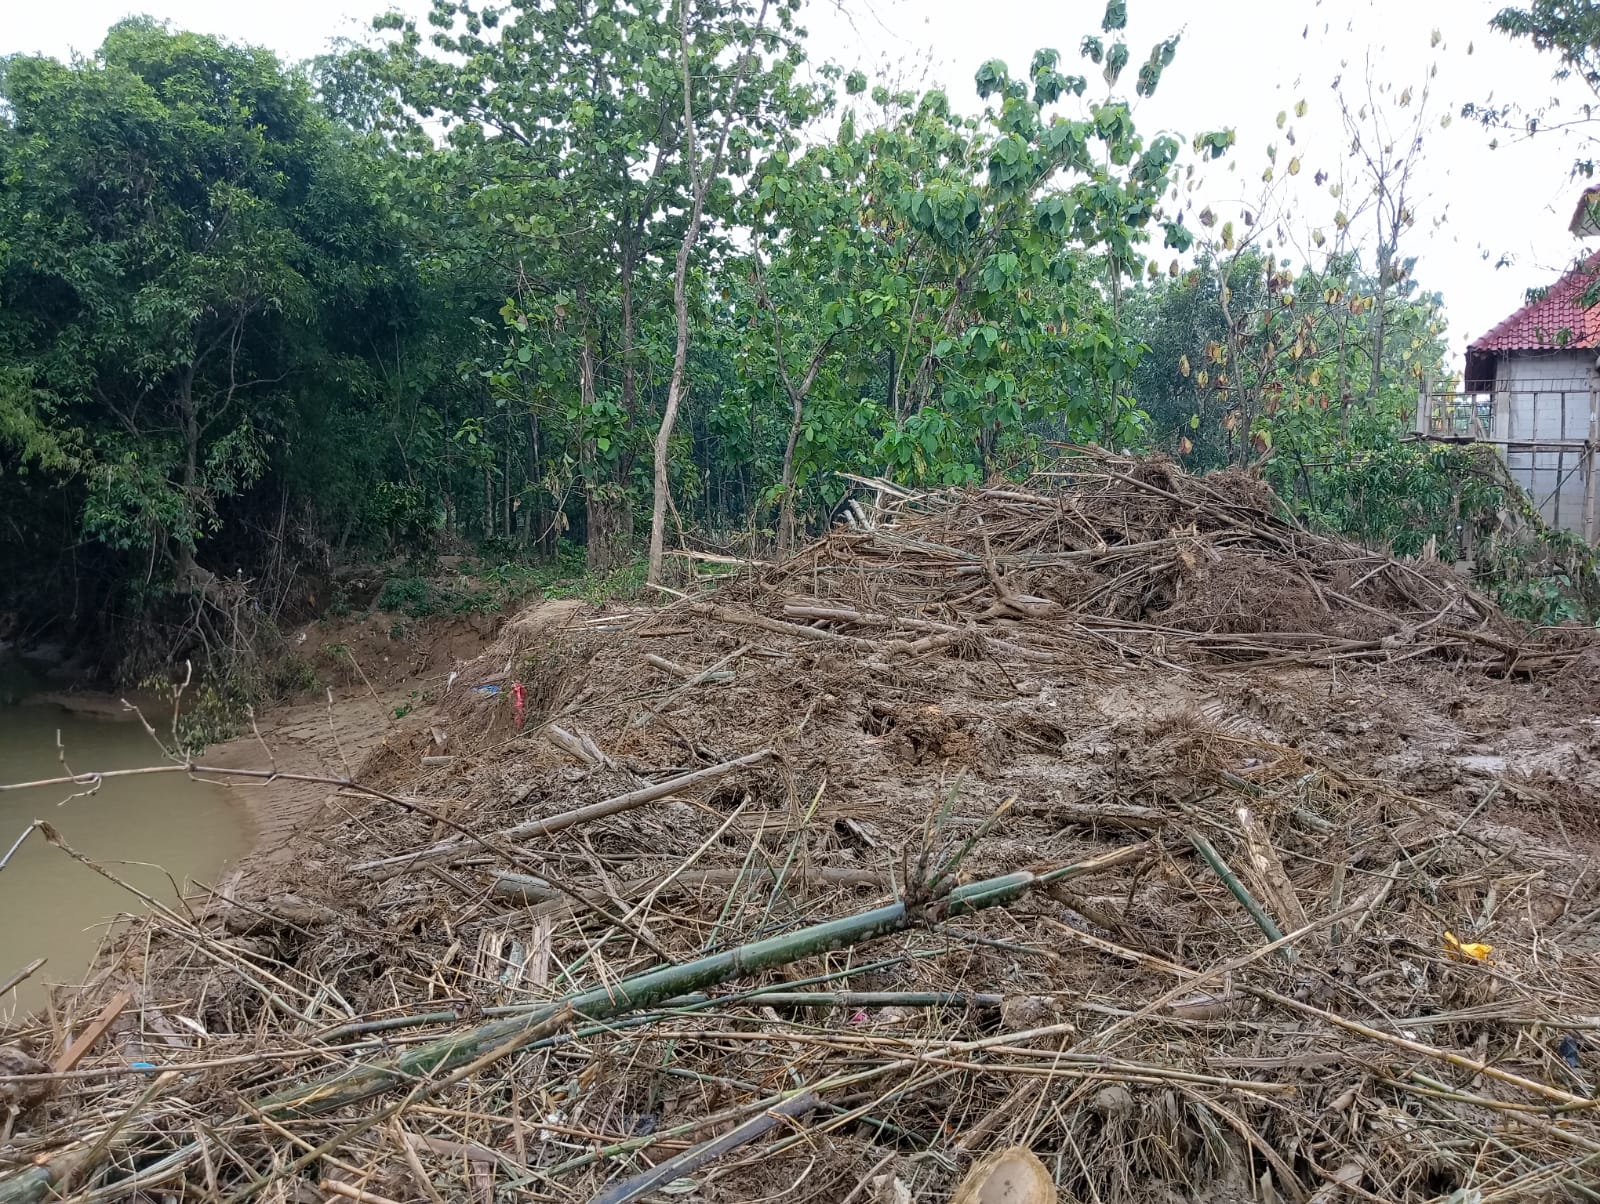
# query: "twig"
[[93, 1154], [532, 889], [17, 844], [418, 1171], [681, 671], [581, 815], [866, 1179], [1226, 968], [423, 1089], [22, 975], [705, 675], [351, 1192], [727, 614], [1428, 1051]]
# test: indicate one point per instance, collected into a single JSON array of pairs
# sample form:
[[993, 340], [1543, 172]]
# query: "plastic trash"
[[1568, 1050]]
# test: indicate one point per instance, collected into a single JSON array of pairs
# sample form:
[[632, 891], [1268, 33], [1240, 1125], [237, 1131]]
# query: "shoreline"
[[316, 736], [311, 738], [301, 738], [97, 704]]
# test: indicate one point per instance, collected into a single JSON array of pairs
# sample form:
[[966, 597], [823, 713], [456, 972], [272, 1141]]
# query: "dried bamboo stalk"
[[690, 1161], [571, 819], [528, 888]]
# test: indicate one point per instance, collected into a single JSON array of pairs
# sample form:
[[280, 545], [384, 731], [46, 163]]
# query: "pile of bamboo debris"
[[1111, 817]]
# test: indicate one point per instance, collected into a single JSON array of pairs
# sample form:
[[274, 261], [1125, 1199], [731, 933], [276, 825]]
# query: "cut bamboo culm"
[[570, 819], [668, 982]]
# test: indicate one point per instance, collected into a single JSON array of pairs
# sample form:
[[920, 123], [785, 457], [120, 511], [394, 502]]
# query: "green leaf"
[[1116, 60], [991, 78]]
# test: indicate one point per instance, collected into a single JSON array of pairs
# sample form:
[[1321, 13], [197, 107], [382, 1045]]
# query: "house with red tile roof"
[[1559, 325], [1541, 369]]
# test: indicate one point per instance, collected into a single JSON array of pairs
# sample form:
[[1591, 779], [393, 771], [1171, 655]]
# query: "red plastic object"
[[519, 704]]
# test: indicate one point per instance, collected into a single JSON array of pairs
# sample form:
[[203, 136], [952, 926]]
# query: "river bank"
[[328, 740], [313, 739], [374, 674], [195, 844], [1149, 853]]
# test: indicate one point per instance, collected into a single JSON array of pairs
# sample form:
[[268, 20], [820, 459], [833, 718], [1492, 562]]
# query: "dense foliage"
[[195, 269], [517, 273]]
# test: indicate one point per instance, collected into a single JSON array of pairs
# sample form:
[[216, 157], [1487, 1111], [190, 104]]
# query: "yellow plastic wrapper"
[[1470, 950]]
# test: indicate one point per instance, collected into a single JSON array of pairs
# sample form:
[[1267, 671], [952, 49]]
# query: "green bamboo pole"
[[656, 986], [644, 990], [1248, 901], [42, 1182]]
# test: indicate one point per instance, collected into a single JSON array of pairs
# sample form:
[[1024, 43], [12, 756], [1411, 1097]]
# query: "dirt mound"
[[1113, 817]]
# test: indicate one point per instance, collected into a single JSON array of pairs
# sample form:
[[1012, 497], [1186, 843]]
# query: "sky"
[[1491, 221]]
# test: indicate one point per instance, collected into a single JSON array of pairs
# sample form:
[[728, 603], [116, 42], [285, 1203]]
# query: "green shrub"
[[290, 675], [410, 596]]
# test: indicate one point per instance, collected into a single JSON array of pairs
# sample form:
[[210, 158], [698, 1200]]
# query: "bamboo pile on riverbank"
[[1111, 816]]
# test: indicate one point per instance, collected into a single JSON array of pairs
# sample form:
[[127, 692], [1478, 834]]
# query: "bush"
[[1401, 493], [207, 713], [411, 596], [290, 675]]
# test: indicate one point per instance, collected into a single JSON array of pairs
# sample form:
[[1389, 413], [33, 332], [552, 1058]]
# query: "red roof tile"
[[1558, 319]]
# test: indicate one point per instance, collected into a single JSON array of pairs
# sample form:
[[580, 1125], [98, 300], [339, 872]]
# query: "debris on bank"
[[1109, 835]]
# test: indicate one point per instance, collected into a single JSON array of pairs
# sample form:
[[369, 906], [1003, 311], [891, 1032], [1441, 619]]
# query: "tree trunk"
[[1378, 332], [797, 399], [669, 416], [189, 574], [532, 515], [700, 177], [505, 486], [786, 507], [609, 516], [629, 376]]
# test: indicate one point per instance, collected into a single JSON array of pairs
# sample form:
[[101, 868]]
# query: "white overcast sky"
[[1240, 62]]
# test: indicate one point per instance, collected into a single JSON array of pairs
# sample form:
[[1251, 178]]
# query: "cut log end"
[[1009, 1176]]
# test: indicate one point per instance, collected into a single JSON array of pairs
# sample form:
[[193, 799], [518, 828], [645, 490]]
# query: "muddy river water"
[[153, 831]]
